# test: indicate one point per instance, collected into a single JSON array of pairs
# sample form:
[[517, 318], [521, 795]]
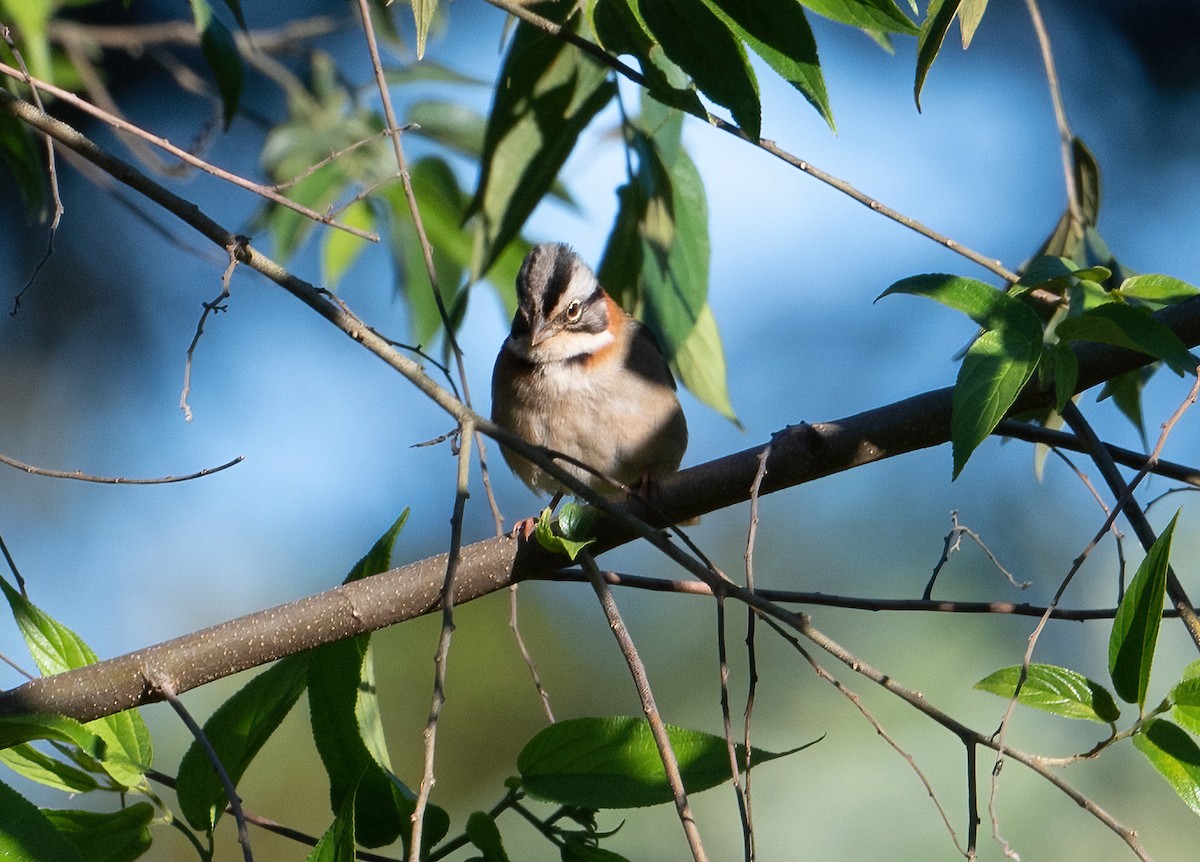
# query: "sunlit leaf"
[[1135, 628], [56, 648], [970, 13], [27, 835], [995, 369], [987, 306], [1056, 690], [423, 12], [38, 766], [340, 249], [1185, 698], [612, 762], [1133, 328], [1158, 289], [1176, 757]]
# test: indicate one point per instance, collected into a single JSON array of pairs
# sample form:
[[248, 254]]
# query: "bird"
[[580, 376]]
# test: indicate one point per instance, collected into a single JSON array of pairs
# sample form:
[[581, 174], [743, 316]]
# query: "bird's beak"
[[539, 331]]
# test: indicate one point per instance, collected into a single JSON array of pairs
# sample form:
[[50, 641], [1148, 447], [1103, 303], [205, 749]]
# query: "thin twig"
[[115, 480], [646, 695], [953, 542], [183, 155], [530, 664], [164, 686], [1066, 139], [441, 656], [236, 250]]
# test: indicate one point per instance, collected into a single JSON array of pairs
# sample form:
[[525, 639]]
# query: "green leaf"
[[27, 835], [576, 849], [221, 54], [340, 249], [987, 306], [1176, 757], [1069, 238], [423, 12], [995, 370], [1133, 328], [875, 15], [548, 93], [483, 834], [1185, 698], [1157, 289], [1055, 690], [348, 731], [38, 766], [969, 16], [16, 729], [452, 124], [1126, 393], [696, 39], [700, 362], [337, 844], [938, 18], [778, 31], [117, 836], [612, 762], [1059, 359], [237, 730], [559, 541], [1135, 628], [56, 648]]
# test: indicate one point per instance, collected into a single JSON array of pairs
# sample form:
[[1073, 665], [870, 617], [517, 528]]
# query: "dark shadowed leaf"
[[938, 18], [1056, 690], [221, 54], [1135, 628], [118, 836], [237, 731], [548, 94], [778, 31], [703, 46], [482, 831]]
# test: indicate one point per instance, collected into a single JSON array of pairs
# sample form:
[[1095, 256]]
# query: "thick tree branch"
[[799, 454]]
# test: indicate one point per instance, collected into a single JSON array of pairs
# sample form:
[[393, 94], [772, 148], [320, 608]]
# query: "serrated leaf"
[[1158, 289], [1185, 698], [117, 836], [16, 729], [1176, 757], [612, 762], [994, 371], [778, 32], [549, 93], [873, 15], [221, 54], [27, 835], [1135, 627], [56, 648], [703, 47], [1133, 328], [485, 836], [237, 731], [934, 28], [1056, 690], [339, 248]]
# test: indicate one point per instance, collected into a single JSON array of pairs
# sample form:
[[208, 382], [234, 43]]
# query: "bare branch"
[[115, 480]]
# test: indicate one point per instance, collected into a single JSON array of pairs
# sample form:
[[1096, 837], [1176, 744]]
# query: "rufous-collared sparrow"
[[579, 376]]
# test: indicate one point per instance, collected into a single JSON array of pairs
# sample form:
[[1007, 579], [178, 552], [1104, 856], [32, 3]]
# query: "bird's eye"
[[574, 311]]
